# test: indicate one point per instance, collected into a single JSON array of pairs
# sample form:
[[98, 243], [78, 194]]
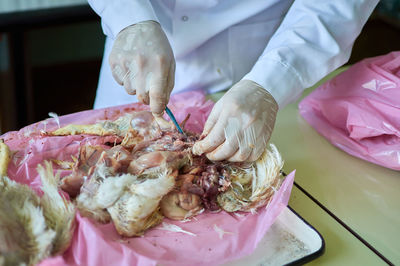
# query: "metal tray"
[[289, 241]]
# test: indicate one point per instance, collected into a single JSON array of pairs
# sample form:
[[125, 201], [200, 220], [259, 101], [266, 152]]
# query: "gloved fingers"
[[130, 76], [158, 92], [170, 84], [249, 143], [224, 151], [171, 80], [215, 138], [141, 79], [261, 143], [118, 73], [129, 83], [141, 93], [212, 118], [255, 154], [242, 155]]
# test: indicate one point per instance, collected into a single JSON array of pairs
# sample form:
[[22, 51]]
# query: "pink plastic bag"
[[95, 244], [359, 110]]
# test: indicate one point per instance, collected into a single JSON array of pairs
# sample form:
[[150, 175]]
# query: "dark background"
[[63, 79]]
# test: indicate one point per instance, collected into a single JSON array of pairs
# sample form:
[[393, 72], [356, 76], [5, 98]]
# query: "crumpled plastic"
[[220, 237], [358, 111]]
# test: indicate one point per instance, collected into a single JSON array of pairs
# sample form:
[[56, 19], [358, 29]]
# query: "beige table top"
[[341, 247], [366, 197]]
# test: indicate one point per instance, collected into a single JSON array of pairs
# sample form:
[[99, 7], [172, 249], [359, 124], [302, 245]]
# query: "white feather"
[[221, 232], [55, 116], [174, 228]]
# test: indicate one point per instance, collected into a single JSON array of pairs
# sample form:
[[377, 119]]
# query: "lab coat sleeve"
[[314, 38], [118, 14]]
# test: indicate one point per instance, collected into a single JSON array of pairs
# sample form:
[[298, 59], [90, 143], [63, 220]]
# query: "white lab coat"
[[283, 45]]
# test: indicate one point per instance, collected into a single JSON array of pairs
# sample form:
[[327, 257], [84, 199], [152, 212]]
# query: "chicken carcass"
[[153, 173], [32, 227]]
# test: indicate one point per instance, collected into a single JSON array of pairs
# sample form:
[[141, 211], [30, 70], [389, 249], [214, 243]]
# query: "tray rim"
[[311, 256]]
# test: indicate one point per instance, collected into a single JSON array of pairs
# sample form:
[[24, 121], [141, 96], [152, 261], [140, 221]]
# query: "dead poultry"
[[152, 173], [32, 227]]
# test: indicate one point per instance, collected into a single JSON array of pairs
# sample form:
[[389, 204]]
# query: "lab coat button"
[[184, 18]]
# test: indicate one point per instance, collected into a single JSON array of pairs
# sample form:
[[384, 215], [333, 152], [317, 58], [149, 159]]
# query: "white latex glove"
[[143, 62], [240, 124]]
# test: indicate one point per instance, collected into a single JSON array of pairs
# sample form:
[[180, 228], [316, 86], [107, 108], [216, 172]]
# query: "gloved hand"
[[143, 62], [240, 124]]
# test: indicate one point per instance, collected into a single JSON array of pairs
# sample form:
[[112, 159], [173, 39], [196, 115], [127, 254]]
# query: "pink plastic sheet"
[[95, 244], [358, 111]]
